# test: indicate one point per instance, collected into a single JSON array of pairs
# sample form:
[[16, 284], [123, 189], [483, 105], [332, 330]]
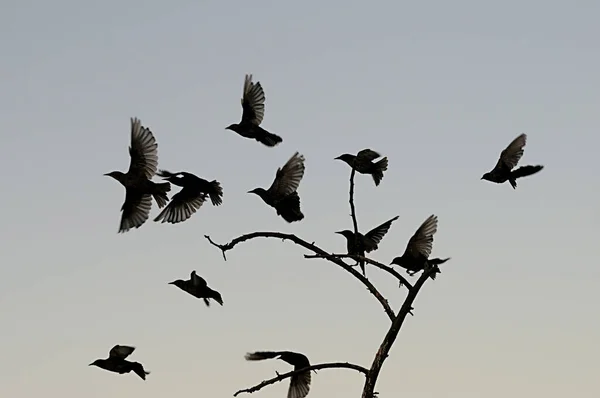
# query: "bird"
[[299, 383], [282, 194], [190, 198], [416, 255], [197, 287], [139, 189], [253, 112], [363, 163], [509, 158], [116, 362], [365, 243]]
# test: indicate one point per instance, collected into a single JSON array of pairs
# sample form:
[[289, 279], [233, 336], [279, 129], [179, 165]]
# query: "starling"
[[418, 249], [503, 171], [139, 189], [365, 243], [253, 111], [299, 383], [282, 193], [191, 197], [197, 287], [363, 163], [116, 362]]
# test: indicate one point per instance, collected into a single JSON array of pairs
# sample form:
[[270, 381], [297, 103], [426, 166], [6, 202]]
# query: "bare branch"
[[351, 200], [386, 268], [280, 377], [315, 249]]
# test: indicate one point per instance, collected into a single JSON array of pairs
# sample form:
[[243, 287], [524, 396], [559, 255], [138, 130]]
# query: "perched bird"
[[139, 189], [116, 362], [299, 383], [363, 163], [282, 193], [253, 111], [418, 249], [365, 243], [509, 158], [197, 287], [191, 197]]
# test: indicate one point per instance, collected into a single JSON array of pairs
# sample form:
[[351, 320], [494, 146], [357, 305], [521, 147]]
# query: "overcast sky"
[[439, 87]]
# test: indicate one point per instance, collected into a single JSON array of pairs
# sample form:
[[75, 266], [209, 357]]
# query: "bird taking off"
[[363, 163], [299, 383], [365, 243], [139, 189], [117, 363], [282, 194], [253, 112], [190, 198], [417, 252], [509, 158], [197, 287]]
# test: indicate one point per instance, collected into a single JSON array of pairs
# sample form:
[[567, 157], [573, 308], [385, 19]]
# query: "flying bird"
[[282, 194], [190, 198], [299, 383], [253, 112], [116, 362], [365, 243], [363, 163], [416, 255], [509, 158], [139, 189], [197, 287]]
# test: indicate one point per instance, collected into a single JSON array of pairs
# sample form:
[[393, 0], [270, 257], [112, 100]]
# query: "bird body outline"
[[117, 363], [363, 163], [198, 287]]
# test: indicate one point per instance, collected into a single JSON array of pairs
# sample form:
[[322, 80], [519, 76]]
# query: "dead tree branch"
[[352, 208], [335, 365], [315, 249]]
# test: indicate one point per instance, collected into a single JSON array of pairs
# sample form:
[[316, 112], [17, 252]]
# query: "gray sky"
[[438, 87]]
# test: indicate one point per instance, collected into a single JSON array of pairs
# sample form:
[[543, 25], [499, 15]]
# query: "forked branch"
[[334, 365]]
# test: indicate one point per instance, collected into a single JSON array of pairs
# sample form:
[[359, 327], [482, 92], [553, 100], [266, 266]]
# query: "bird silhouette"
[[509, 158], [253, 112], [282, 194], [416, 255], [363, 163], [139, 189], [365, 243], [117, 363], [190, 198], [299, 383], [197, 287]]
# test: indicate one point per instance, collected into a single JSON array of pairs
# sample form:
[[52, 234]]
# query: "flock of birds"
[[282, 195]]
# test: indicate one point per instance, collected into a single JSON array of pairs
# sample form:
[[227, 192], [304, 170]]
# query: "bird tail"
[[434, 262], [216, 193], [289, 208], [268, 139], [160, 193], [379, 168], [261, 355], [138, 369]]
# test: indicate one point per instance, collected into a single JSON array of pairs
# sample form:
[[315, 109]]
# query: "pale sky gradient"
[[440, 87]]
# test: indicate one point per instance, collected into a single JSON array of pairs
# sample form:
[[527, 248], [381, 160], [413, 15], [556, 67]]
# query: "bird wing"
[[182, 205], [288, 177], [421, 242], [367, 155], [136, 210], [197, 281], [299, 385], [253, 102], [375, 235], [510, 156], [143, 151], [121, 351]]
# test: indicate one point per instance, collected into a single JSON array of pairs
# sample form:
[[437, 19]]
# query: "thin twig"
[[386, 268], [336, 365], [315, 249], [351, 200]]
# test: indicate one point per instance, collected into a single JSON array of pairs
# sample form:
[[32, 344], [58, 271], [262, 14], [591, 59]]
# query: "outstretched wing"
[[288, 177], [253, 102], [299, 385], [510, 156], [143, 150], [182, 206], [375, 235], [121, 351], [367, 155], [136, 210], [421, 243]]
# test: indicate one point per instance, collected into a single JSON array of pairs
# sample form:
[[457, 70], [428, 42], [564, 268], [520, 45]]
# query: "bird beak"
[[338, 158], [91, 364], [105, 174], [338, 232], [171, 283]]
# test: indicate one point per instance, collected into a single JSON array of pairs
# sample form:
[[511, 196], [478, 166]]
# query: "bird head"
[[349, 159], [397, 261], [117, 175], [97, 362], [167, 175], [179, 283], [259, 191], [346, 233], [233, 127], [486, 176]]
